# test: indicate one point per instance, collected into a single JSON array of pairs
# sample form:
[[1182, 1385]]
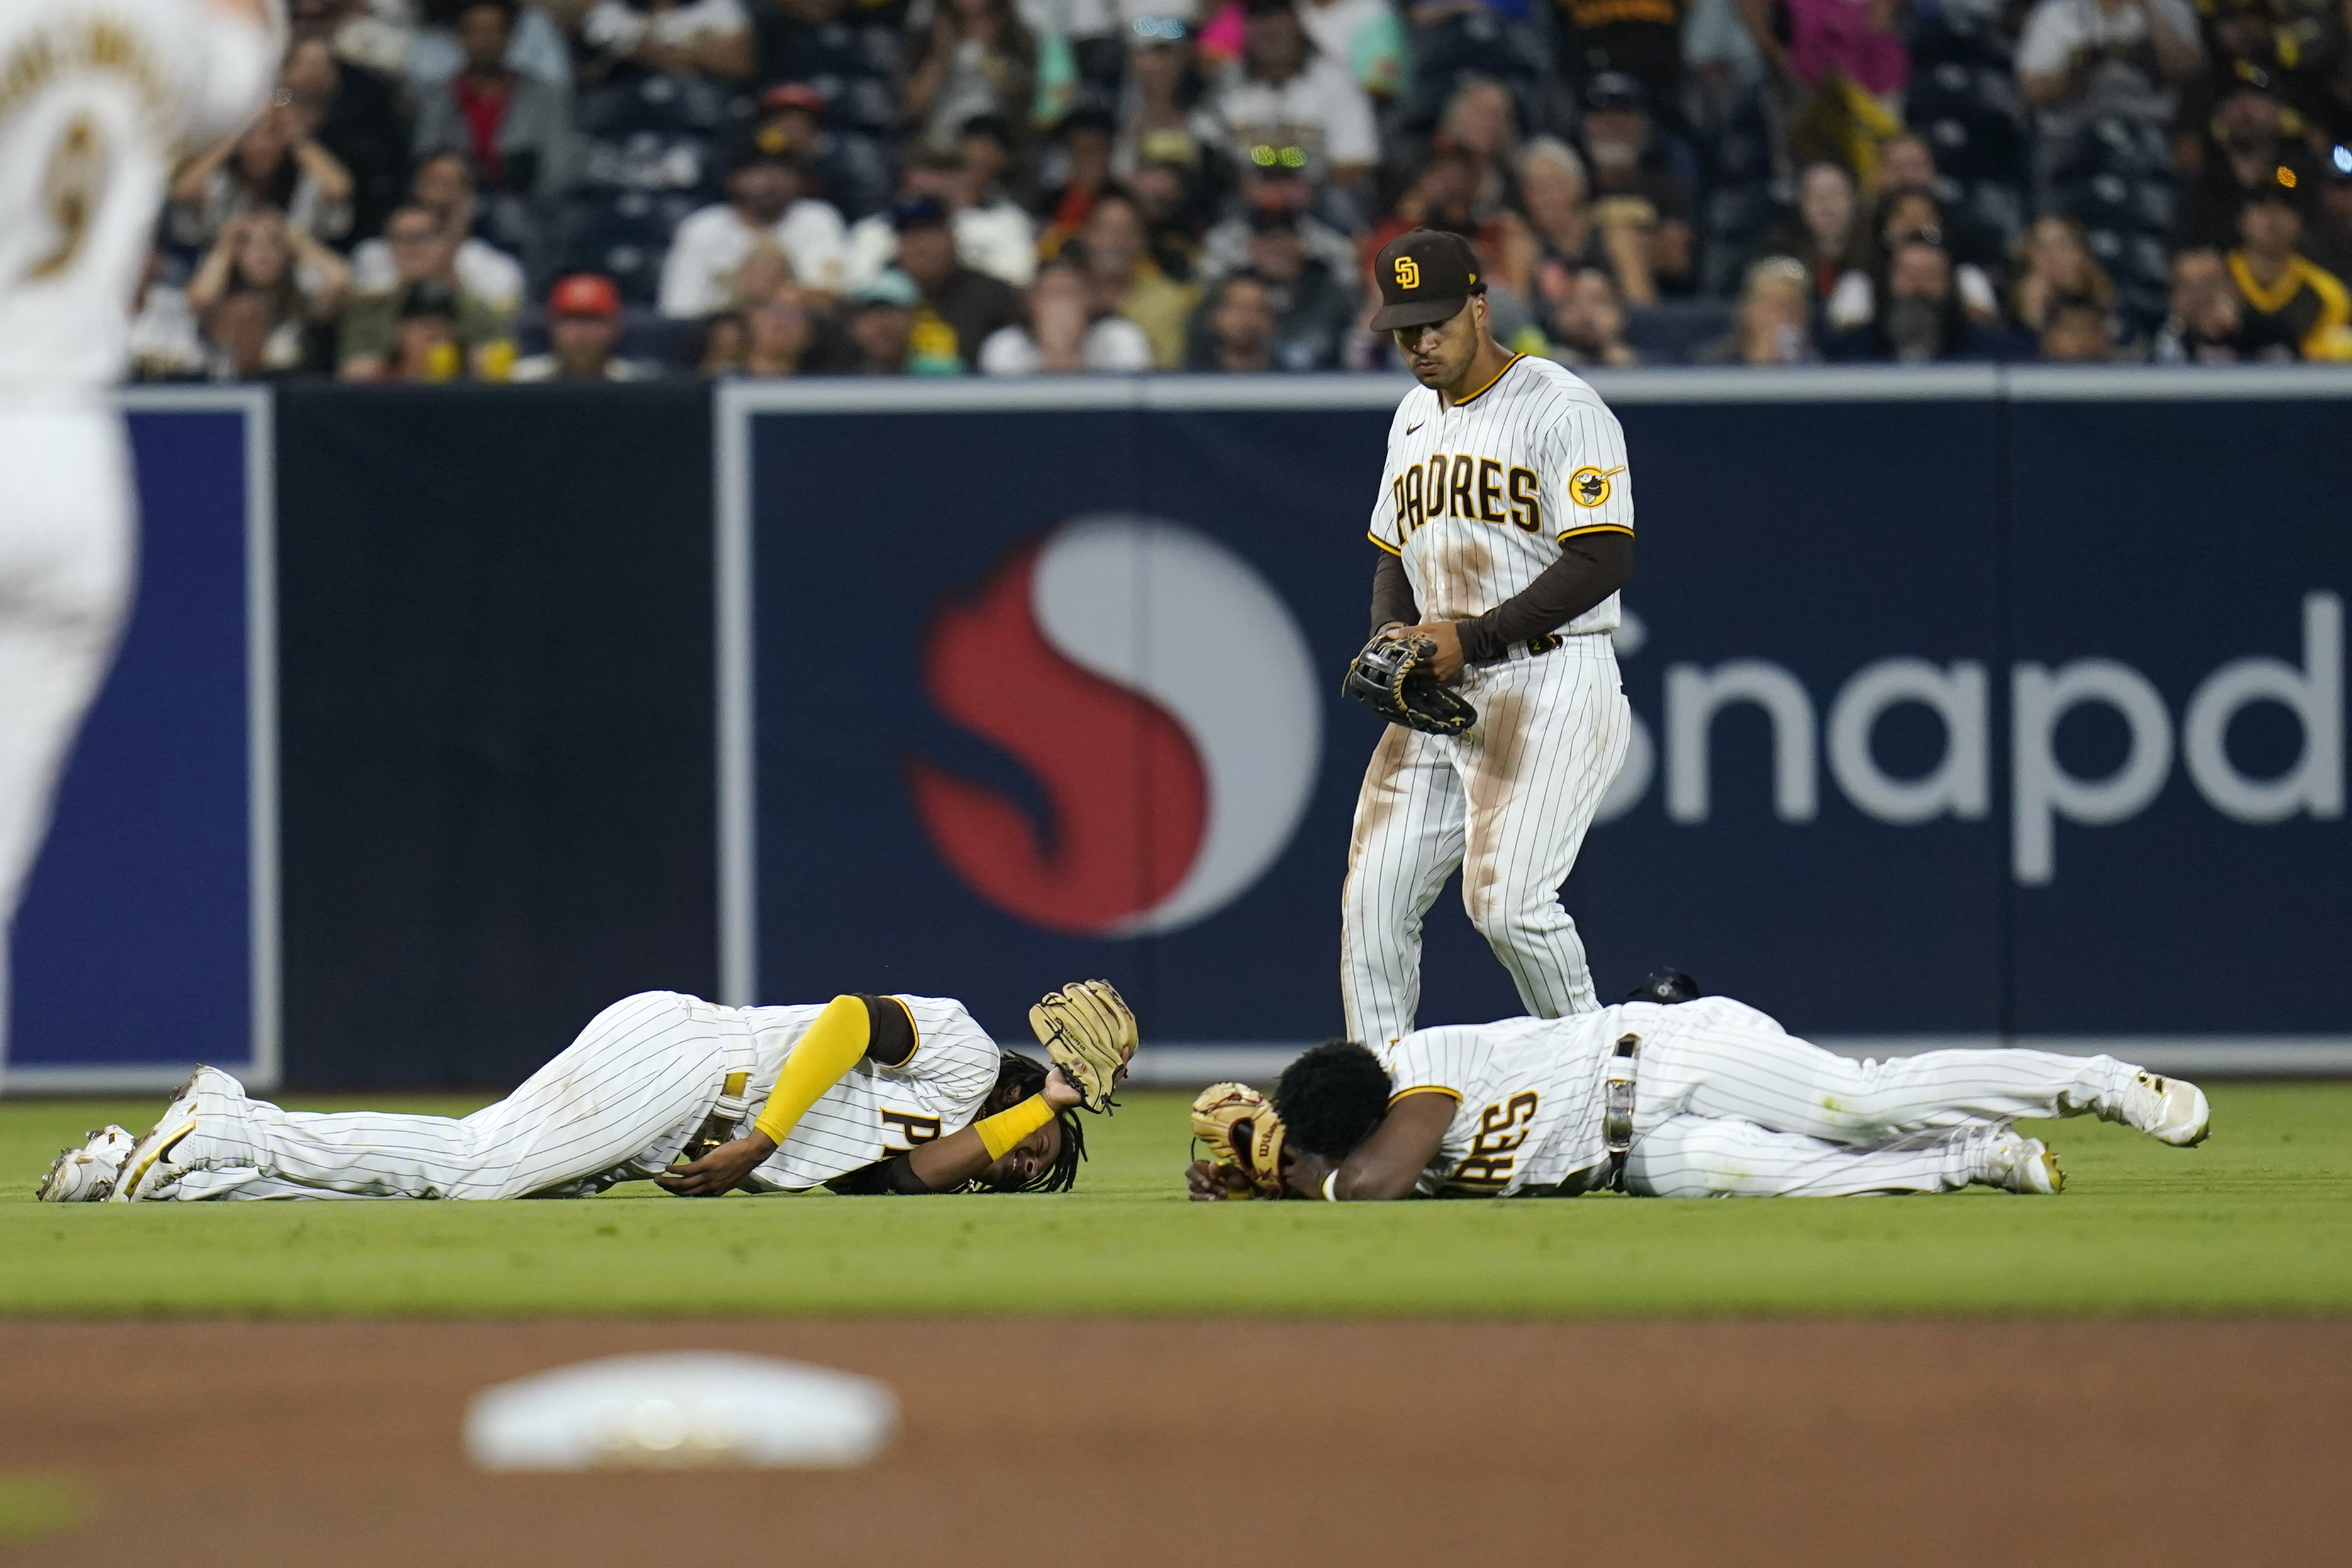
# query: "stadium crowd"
[[620, 189]]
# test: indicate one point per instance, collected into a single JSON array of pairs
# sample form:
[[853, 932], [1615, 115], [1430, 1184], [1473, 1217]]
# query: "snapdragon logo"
[[2042, 792]]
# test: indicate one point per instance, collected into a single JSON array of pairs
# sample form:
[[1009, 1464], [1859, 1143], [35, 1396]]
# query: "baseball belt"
[[725, 1117], [1617, 1110]]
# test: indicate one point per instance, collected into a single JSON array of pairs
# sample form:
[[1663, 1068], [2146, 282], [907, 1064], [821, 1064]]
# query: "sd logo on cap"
[[1426, 275]]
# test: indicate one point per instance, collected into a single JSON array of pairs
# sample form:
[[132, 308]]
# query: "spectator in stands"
[[1175, 220], [1563, 230], [850, 170], [2249, 146], [375, 338], [1919, 317], [961, 307], [1773, 323], [1231, 244], [2077, 332], [763, 203], [166, 338], [298, 283], [444, 186], [1237, 328], [237, 333], [778, 337], [1067, 332], [1588, 326], [881, 325], [1825, 233], [272, 164], [968, 58], [1906, 164], [1364, 36], [993, 232], [1480, 119], [1312, 303], [2082, 61], [2056, 268], [515, 127], [1631, 182], [668, 38], [1281, 103], [584, 328], [1907, 214], [357, 115], [2287, 301], [2327, 229], [420, 335], [991, 237], [1129, 282], [1162, 119], [1856, 40], [2206, 325], [1642, 38], [1077, 171], [849, 55]]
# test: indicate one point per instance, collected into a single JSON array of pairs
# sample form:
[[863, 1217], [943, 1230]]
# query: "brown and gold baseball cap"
[[1424, 276]]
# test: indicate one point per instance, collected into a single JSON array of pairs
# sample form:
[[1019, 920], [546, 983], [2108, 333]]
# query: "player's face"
[[1025, 1161], [1438, 354]]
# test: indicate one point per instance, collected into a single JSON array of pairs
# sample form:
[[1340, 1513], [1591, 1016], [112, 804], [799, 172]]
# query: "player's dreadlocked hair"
[[1017, 1078], [1331, 1098]]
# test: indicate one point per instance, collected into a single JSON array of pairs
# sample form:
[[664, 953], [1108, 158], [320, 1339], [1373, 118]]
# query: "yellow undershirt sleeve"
[[1006, 1130], [830, 1047]]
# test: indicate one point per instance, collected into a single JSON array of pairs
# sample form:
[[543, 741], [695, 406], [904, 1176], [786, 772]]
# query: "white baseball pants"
[[1509, 801], [1727, 1104], [621, 1099], [67, 531]]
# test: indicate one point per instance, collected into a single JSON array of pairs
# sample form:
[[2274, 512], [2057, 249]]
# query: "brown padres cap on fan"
[[1424, 276]]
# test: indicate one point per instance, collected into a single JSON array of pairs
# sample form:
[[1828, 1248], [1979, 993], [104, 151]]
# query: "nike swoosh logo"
[[1411, 428]]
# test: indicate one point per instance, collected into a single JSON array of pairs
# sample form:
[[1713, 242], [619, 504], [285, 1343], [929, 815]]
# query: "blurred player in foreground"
[[1701, 1099], [862, 1094], [96, 99]]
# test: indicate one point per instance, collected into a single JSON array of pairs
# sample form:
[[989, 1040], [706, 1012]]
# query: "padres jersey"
[[874, 1112], [1529, 1100], [97, 99], [1477, 497]]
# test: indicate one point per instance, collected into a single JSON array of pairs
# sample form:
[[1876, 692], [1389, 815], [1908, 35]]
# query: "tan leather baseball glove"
[[1239, 1130], [1091, 1032]]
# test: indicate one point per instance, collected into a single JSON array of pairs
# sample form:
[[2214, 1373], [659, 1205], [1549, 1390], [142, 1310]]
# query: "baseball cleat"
[[2169, 1110], [86, 1175], [148, 1169], [2009, 1160]]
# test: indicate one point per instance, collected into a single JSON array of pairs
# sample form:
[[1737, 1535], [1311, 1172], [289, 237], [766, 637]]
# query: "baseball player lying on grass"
[[1700, 1099], [861, 1094]]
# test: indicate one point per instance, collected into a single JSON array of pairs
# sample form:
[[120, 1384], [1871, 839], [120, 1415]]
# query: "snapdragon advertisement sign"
[[2000, 707]]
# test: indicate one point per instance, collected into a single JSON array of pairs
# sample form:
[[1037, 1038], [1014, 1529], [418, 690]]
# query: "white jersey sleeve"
[[1527, 1110], [874, 1112], [97, 99], [1588, 489]]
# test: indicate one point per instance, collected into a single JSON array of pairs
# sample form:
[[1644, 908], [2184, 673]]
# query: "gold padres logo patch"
[[1592, 486], [1408, 272]]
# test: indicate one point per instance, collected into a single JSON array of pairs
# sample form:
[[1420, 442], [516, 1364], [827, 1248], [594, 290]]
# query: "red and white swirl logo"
[[1160, 694]]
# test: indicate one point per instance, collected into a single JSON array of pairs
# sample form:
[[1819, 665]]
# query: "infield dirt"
[[1747, 1444]]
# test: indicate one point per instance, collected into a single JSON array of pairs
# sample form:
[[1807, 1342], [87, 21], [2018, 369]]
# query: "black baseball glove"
[[1392, 677]]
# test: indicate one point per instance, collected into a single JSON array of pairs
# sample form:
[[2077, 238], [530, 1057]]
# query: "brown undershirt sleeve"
[[890, 1031], [1591, 567], [1392, 602]]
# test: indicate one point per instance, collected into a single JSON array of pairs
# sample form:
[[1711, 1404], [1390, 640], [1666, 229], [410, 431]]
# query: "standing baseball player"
[[864, 1094], [1702, 1099], [97, 97], [1504, 526]]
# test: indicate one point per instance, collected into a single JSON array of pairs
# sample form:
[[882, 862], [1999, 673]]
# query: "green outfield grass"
[[2260, 1219]]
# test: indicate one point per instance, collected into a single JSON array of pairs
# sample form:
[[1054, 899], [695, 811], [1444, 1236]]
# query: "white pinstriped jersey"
[[1477, 497], [97, 97], [874, 1112], [1529, 1098]]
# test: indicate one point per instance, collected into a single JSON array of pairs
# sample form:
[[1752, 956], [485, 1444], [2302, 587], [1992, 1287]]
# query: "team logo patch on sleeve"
[[1592, 486]]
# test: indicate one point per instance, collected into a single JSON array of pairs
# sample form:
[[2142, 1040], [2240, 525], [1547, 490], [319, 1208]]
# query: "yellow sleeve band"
[[830, 1047], [1384, 544], [1003, 1132]]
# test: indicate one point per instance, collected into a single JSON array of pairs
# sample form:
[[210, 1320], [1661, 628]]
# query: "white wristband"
[[1331, 1185]]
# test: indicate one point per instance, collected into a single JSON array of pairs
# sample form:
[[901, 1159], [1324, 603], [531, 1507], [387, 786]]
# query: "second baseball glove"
[[1243, 1133], [1091, 1032], [1392, 677]]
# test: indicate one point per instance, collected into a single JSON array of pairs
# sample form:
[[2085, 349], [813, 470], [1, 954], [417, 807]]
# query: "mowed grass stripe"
[[2260, 1219]]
